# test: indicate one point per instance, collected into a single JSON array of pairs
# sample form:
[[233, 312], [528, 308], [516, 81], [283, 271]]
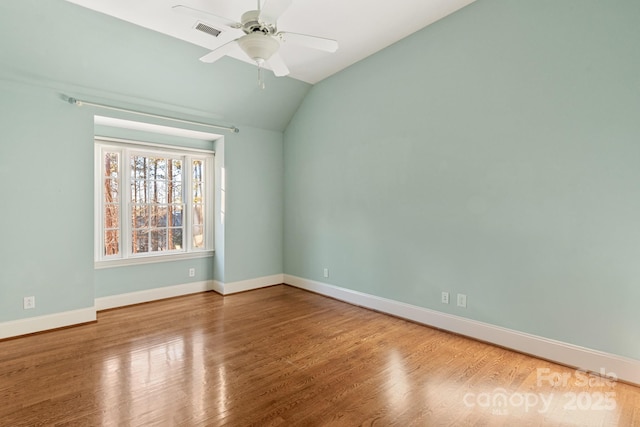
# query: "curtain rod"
[[81, 103]]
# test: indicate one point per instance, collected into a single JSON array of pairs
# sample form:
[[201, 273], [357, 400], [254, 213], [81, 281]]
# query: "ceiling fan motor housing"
[[251, 23]]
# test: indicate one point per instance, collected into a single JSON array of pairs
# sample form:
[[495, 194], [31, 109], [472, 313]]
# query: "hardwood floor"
[[283, 356]]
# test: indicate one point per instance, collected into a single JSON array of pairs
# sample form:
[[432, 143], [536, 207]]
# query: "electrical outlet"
[[326, 272], [445, 297], [462, 300], [192, 272], [29, 302]]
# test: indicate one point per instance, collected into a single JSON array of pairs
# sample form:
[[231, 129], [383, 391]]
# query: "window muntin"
[[146, 207]]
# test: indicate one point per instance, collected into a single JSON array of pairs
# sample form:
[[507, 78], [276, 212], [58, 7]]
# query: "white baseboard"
[[114, 301], [31, 325], [218, 287], [625, 369], [247, 285]]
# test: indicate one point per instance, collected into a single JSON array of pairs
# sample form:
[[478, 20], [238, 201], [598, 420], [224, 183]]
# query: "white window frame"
[[126, 148]]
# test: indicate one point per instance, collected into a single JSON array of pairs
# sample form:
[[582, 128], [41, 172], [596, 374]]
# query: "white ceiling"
[[361, 27]]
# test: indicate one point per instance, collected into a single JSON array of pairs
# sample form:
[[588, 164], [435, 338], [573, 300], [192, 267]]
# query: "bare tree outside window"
[[198, 204], [111, 204], [156, 200]]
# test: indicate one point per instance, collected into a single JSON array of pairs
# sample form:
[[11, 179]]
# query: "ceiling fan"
[[262, 39]]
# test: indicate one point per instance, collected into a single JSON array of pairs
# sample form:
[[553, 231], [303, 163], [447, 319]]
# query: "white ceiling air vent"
[[200, 26]]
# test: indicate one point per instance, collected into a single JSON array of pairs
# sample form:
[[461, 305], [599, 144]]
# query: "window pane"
[[159, 240], [198, 192], [176, 193], [198, 214], [198, 236], [140, 217], [198, 183], [158, 216], [111, 242], [140, 242], [110, 190], [157, 168], [139, 191], [138, 167], [111, 165], [175, 215], [176, 239], [198, 170], [157, 191], [111, 216], [176, 174]]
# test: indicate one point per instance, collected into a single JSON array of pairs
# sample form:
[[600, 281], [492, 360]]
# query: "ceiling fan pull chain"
[[261, 84]]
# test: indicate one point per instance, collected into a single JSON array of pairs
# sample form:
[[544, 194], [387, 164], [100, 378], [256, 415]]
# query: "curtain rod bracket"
[[80, 103]]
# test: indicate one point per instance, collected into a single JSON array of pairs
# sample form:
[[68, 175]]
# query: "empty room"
[[319, 213]]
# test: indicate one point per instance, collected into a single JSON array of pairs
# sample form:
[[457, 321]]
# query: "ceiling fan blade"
[[272, 9], [206, 16], [218, 53], [320, 43], [278, 66]]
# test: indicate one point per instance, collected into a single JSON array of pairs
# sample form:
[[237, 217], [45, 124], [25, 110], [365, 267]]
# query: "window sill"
[[98, 265]]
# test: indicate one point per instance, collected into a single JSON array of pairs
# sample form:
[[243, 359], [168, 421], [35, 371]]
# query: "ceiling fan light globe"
[[258, 47]]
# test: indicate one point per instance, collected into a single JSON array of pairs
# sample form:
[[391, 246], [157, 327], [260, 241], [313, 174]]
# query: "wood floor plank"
[[281, 356]]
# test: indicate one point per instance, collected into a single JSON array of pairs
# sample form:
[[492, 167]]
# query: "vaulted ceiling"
[[361, 27], [83, 53]]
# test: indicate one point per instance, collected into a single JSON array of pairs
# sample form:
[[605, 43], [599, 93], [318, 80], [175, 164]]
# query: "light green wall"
[[122, 280], [46, 151], [218, 259], [495, 154], [46, 214], [253, 222]]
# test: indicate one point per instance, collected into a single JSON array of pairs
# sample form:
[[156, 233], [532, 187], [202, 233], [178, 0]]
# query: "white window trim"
[[152, 259], [125, 257]]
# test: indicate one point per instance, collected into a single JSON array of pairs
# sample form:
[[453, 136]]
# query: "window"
[[152, 203]]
